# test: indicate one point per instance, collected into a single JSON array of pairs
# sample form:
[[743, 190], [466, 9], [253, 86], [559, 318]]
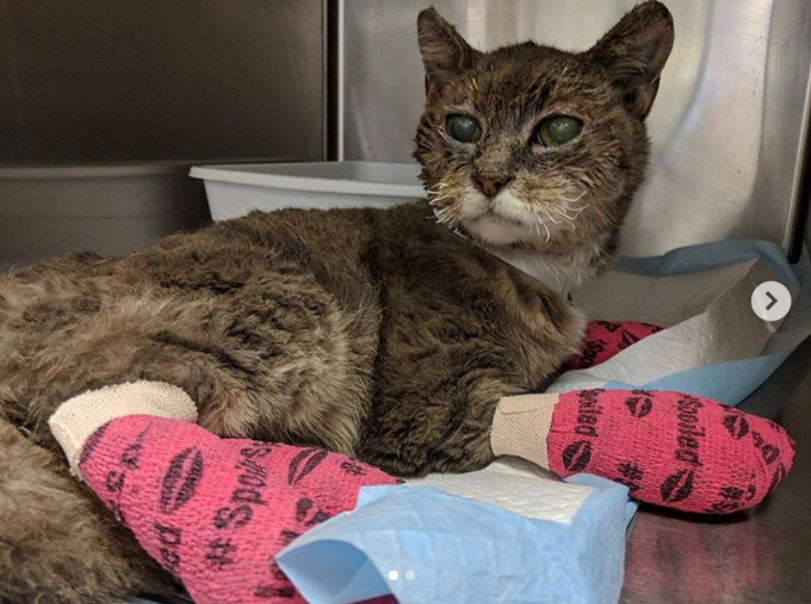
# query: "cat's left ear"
[[445, 54], [635, 51]]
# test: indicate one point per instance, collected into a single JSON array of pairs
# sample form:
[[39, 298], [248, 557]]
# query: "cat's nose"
[[491, 185]]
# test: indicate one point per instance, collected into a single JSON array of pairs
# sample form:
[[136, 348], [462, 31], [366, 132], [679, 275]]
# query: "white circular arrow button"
[[771, 301]]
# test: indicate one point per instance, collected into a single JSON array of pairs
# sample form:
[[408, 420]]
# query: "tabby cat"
[[382, 334]]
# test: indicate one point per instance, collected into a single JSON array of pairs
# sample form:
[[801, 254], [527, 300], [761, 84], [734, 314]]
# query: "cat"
[[381, 334]]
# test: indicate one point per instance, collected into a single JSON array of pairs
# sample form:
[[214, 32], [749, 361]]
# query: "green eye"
[[556, 131], [464, 128]]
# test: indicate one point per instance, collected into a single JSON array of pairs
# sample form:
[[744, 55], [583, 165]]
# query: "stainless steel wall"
[[728, 127], [117, 80], [105, 103]]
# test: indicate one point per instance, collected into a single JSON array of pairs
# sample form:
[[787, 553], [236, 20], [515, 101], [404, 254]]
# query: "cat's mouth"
[[504, 220], [496, 230]]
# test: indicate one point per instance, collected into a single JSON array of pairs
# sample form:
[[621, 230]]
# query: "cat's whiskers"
[[546, 228], [563, 214], [576, 199], [436, 198], [569, 220], [575, 210], [537, 229], [560, 215], [444, 211], [446, 216]]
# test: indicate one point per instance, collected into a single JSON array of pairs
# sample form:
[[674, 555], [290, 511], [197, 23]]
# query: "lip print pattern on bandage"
[[215, 512], [604, 339], [670, 449], [181, 479]]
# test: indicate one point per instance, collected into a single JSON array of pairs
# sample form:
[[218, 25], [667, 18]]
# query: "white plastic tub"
[[236, 190]]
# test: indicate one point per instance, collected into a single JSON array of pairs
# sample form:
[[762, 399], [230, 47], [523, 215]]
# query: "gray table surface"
[[763, 555]]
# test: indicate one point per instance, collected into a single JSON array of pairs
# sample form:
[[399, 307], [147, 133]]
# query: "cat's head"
[[532, 147]]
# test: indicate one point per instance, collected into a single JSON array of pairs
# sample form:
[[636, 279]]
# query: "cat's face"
[[532, 147]]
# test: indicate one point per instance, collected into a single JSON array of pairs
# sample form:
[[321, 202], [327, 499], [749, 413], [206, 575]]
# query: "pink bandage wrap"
[[216, 512], [604, 339], [670, 449]]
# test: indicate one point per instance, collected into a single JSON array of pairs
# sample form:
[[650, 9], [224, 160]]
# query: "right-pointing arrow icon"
[[771, 301]]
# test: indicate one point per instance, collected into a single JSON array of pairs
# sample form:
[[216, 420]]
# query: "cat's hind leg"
[[61, 335], [276, 359], [57, 544]]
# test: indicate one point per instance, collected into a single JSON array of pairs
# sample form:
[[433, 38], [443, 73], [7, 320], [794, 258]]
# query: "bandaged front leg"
[[604, 339], [213, 512], [670, 449]]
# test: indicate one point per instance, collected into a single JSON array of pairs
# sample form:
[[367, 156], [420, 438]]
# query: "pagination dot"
[[410, 575], [393, 574]]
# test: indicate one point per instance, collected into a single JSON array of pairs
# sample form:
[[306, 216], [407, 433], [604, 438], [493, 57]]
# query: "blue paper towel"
[[455, 550]]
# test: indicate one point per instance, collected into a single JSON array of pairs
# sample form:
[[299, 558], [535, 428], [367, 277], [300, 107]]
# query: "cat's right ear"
[[634, 53], [445, 54]]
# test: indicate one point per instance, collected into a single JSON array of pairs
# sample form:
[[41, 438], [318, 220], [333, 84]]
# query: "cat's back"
[[333, 250], [327, 246]]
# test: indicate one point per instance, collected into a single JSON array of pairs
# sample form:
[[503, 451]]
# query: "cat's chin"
[[504, 221], [496, 230]]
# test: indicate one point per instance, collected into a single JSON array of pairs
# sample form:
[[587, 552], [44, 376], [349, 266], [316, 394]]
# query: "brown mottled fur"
[[380, 334]]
